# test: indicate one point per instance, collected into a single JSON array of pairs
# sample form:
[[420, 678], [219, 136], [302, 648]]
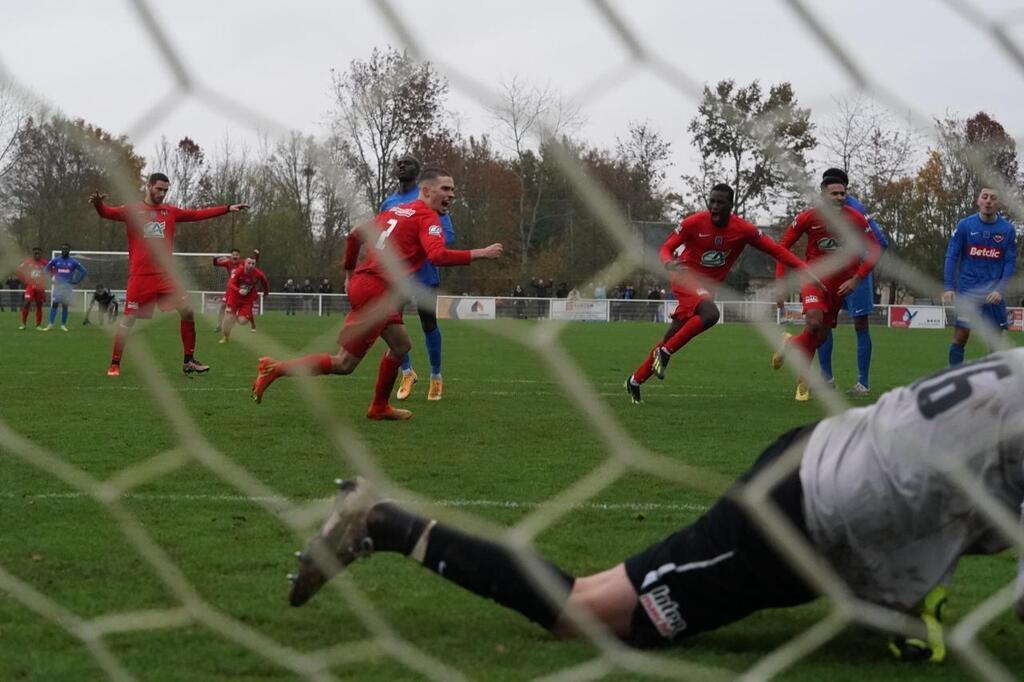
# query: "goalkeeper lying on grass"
[[875, 495]]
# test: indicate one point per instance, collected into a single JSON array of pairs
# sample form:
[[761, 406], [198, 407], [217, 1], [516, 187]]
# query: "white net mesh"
[[623, 453]]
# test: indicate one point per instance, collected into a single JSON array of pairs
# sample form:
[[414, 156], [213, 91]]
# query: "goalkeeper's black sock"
[[483, 567]]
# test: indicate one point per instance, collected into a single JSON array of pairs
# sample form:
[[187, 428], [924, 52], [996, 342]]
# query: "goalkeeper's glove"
[[934, 648]]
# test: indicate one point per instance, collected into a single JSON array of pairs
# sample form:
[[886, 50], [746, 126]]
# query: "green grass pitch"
[[505, 436]]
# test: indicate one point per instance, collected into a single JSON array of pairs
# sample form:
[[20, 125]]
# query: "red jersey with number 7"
[[411, 232]]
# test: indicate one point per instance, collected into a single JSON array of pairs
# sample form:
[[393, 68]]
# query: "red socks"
[[806, 342], [690, 329], [188, 336], [39, 315], [315, 365], [120, 337], [644, 372], [386, 376], [24, 315]]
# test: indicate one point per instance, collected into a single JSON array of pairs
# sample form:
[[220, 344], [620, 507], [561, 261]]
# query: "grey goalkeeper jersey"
[[879, 496]]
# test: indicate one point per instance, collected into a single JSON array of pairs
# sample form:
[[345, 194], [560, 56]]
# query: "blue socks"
[[433, 339], [825, 357], [64, 315], [53, 313], [433, 343], [956, 354], [863, 356]]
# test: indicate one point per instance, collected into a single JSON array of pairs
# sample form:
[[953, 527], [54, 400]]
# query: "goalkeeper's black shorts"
[[721, 567]]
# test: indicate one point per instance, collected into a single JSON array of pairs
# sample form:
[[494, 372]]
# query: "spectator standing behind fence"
[[307, 296], [654, 294], [326, 288], [562, 291], [13, 297], [600, 291], [289, 298], [518, 292]]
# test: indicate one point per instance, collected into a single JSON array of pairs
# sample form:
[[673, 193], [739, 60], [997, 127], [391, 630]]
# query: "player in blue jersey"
[[407, 172], [860, 304], [980, 260], [66, 272]]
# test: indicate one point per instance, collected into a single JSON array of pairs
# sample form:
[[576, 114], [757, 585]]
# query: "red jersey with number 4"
[[824, 240], [148, 226], [32, 273], [413, 234], [709, 251]]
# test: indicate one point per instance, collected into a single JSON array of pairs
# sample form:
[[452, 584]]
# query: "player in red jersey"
[[398, 242], [32, 273], [843, 251], [150, 226], [710, 242], [242, 294], [229, 263]]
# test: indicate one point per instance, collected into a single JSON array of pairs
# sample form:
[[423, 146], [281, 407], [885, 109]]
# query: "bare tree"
[[184, 164], [383, 106], [527, 117], [13, 118], [867, 141]]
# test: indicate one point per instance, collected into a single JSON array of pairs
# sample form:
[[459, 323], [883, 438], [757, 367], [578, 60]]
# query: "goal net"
[[619, 450]]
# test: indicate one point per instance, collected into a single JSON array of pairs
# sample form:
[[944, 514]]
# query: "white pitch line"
[[456, 503]]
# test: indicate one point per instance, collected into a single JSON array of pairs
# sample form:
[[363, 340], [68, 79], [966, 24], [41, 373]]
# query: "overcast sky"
[[97, 61]]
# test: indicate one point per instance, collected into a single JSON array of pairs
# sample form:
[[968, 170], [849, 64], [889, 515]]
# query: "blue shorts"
[[61, 295], [993, 313], [862, 301]]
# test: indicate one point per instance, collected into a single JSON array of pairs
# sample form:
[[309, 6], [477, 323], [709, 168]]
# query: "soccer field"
[[505, 438]]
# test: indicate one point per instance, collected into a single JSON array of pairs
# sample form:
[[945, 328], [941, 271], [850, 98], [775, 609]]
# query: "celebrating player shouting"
[[844, 273], [150, 226], [242, 295], [32, 273], [711, 241], [402, 237]]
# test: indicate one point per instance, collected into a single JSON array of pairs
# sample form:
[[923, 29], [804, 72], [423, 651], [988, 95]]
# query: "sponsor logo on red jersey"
[[985, 252], [154, 229]]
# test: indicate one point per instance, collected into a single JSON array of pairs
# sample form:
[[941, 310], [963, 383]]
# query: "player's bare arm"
[[235, 208], [492, 252]]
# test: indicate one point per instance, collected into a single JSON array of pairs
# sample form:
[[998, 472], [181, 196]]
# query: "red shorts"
[[363, 292], [689, 292], [145, 291], [823, 299], [238, 306], [37, 294]]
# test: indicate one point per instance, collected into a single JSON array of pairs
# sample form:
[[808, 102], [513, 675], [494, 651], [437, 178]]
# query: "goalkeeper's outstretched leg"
[[851, 480]]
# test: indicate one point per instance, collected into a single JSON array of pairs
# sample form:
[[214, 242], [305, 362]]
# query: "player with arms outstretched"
[[32, 273], [980, 260], [403, 237], [242, 294], [710, 242], [873, 495], [150, 226], [65, 272], [842, 272]]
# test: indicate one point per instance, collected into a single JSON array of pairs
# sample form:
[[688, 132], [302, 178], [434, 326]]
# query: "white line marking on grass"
[[456, 503]]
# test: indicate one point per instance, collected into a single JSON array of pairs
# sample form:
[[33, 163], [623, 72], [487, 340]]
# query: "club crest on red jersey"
[[713, 259], [434, 230]]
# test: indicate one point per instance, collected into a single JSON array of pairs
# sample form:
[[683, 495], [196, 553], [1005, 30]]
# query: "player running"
[[980, 260], [106, 301], [859, 304], [229, 263], [873, 496], [32, 273], [65, 272], [150, 226], [710, 242], [407, 170], [841, 272], [242, 294], [403, 237]]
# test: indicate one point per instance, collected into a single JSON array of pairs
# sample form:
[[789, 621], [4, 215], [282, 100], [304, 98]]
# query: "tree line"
[[307, 192]]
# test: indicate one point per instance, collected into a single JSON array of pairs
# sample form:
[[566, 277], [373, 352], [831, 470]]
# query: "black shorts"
[[721, 567]]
